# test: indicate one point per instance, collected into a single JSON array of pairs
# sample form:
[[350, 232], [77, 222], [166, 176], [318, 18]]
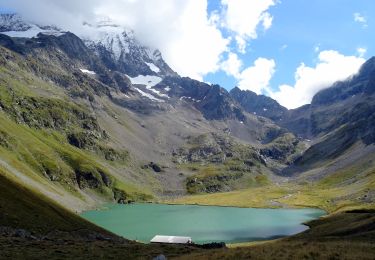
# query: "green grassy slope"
[[22, 208], [351, 187], [46, 156], [47, 136]]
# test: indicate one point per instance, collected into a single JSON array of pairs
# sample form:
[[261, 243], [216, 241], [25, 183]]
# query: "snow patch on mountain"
[[189, 98], [146, 80], [153, 67], [150, 82], [32, 32], [87, 71], [157, 92], [149, 96]]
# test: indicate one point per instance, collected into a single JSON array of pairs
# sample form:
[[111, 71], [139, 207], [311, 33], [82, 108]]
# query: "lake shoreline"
[[241, 207], [204, 223], [208, 205]]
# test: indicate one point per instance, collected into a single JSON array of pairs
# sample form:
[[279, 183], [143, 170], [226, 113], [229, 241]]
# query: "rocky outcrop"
[[352, 99], [220, 182], [92, 179], [154, 166], [258, 104], [215, 148], [213, 101], [282, 148]]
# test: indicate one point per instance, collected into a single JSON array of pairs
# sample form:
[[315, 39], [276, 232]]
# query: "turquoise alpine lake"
[[203, 224]]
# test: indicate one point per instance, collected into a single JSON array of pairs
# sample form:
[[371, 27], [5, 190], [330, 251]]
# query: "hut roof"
[[171, 239]]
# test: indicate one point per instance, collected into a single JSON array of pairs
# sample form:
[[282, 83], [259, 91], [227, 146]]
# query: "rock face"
[[154, 166], [220, 163], [213, 101], [362, 83], [354, 101], [258, 104], [215, 148]]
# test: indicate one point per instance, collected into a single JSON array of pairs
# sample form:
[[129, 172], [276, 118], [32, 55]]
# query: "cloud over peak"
[[190, 38], [332, 66], [257, 77]]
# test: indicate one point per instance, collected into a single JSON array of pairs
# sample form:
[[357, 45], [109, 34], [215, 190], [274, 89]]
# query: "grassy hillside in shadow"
[[32, 226]]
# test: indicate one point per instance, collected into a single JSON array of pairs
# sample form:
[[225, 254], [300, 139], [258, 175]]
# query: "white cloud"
[[331, 67], [361, 51], [243, 18], [359, 18], [317, 48], [257, 77], [266, 21], [241, 44], [283, 47], [67, 13], [232, 65], [189, 39]]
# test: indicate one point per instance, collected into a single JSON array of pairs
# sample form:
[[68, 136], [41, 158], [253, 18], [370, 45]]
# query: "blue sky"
[[294, 48], [300, 30]]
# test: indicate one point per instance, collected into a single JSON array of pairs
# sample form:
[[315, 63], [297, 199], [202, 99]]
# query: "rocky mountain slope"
[[259, 104], [329, 135], [112, 101], [348, 136]]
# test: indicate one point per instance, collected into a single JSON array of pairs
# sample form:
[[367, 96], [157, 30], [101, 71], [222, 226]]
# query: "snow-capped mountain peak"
[[120, 46], [113, 38], [14, 25], [13, 22], [115, 46]]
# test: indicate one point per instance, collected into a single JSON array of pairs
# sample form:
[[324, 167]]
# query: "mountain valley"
[[89, 120]]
